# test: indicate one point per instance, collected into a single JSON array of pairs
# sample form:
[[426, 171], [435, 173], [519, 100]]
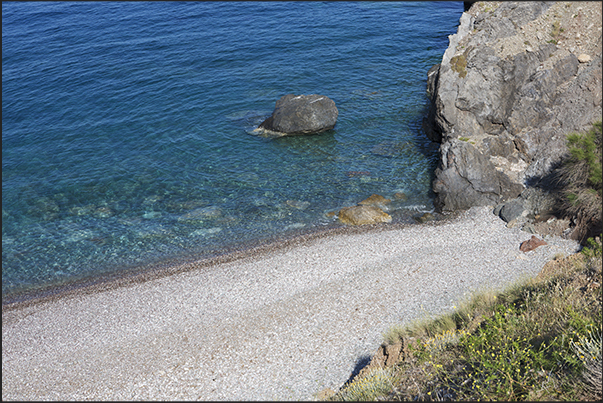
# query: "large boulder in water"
[[301, 114]]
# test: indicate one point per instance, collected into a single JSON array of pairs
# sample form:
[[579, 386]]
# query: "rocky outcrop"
[[387, 355], [515, 80], [300, 114]]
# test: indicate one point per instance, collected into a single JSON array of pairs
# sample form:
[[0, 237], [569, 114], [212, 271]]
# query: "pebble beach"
[[278, 323]]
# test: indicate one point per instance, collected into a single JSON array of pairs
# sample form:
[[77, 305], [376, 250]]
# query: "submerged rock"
[[424, 218], [201, 214], [206, 231], [298, 204], [361, 215], [149, 215], [103, 212], [392, 149], [46, 208], [375, 200], [300, 114], [400, 196]]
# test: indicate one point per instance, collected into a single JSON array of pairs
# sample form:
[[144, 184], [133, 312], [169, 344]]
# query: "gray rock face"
[[467, 178], [509, 89], [301, 114]]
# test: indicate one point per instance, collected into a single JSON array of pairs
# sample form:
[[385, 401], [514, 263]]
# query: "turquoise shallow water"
[[127, 126]]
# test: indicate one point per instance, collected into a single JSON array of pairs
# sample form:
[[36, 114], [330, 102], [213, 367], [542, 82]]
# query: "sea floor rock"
[[375, 200], [362, 215], [201, 214]]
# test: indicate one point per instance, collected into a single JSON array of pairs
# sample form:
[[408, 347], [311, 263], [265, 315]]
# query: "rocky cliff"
[[515, 80]]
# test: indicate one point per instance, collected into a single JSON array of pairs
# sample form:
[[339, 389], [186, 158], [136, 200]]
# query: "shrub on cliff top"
[[585, 150], [579, 181]]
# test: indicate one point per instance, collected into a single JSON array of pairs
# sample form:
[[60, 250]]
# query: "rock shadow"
[[361, 363]]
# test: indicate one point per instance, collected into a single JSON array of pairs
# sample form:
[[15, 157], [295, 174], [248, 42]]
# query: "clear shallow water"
[[127, 126]]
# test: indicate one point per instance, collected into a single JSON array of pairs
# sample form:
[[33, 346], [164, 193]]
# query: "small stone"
[[330, 214], [512, 210], [584, 58], [425, 217], [400, 196], [529, 227], [531, 244]]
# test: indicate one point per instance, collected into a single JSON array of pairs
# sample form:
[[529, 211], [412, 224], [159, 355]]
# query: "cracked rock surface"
[[515, 80]]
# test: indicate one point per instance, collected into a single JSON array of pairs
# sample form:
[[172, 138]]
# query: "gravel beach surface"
[[283, 324]]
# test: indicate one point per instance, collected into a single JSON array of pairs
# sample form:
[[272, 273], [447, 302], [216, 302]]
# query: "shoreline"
[[278, 324], [171, 266]]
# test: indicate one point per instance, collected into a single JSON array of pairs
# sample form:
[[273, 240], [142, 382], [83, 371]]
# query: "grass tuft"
[[588, 351], [377, 383]]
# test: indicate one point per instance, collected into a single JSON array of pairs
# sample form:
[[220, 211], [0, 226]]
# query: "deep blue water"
[[127, 126]]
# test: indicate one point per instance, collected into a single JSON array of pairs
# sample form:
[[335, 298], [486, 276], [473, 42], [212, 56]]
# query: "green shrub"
[[593, 248], [586, 149], [579, 182]]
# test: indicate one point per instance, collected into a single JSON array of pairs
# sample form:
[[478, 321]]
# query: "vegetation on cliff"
[[539, 340], [578, 182]]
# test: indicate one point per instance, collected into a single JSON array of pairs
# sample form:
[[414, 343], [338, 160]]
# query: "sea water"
[[127, 127]]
